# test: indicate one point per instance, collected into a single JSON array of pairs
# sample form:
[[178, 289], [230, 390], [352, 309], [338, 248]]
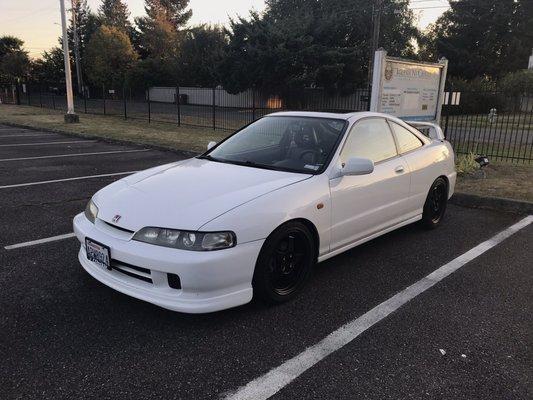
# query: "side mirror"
[[358, 166], [210, 145]]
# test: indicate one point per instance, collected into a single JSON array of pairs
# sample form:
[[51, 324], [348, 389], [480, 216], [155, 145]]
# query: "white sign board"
[[407, 89]]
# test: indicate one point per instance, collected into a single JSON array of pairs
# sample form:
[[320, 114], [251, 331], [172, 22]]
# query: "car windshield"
[[296, 144]]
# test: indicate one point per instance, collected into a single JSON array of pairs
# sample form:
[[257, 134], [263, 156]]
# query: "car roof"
[[317, 114]]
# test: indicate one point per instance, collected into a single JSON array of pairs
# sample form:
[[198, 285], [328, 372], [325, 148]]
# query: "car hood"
[[187, 194]]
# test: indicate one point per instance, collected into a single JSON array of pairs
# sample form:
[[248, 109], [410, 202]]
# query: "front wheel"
[[435, 205], [284, 264]]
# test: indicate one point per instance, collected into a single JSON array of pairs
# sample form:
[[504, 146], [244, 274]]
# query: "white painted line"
[[45, 143], [66, 179], [27, 135], [73, 155], [39, 241], [273, 381]]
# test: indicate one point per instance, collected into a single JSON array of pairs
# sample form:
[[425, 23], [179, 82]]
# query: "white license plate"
[[98, 253]]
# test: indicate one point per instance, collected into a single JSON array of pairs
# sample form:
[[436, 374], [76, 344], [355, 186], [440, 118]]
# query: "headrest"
[[305, 137]]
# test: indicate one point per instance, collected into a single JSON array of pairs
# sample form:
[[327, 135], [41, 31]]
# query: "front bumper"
[[210, 281]]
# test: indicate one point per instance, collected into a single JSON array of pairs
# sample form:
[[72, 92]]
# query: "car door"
[[366, 204], [421, 160]]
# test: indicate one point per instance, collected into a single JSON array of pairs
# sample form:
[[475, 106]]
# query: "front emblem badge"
[[116, 218]]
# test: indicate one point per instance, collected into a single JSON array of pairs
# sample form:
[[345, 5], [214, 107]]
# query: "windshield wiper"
[[208, 157]]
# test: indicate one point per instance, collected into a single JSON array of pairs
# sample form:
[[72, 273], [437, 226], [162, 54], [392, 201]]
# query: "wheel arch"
[[309, 225]]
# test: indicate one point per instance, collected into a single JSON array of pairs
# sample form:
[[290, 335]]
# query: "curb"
[[492, 203], [186, 153]]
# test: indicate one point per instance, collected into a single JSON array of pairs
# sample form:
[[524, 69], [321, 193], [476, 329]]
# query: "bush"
[[466, 163], [517, 83]]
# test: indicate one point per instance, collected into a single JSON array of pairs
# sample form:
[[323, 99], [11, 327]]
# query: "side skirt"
[[366, 239]]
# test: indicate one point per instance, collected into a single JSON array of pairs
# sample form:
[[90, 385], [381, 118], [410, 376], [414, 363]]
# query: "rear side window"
[[407, 141], [369, 138]]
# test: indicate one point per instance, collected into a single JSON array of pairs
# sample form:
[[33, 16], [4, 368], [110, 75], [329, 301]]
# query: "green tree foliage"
[[298, 43], [115, 13], [484, 37], [14, 60], [202, 50], [157, 35], [86, 24], [109, 56], [50, 68], [520, 82]]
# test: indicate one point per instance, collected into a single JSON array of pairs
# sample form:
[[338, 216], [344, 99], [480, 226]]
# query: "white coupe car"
[[252, 215]]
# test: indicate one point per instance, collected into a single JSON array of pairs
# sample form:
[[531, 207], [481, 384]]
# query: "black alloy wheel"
[[284, 264], [435, 205]]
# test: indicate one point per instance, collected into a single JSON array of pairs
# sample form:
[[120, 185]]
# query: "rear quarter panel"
[[427, 164]]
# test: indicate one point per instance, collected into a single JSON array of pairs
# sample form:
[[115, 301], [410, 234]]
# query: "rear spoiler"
[[435, 131]]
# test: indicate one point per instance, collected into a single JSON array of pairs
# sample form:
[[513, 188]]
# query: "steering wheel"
[[313, 155]]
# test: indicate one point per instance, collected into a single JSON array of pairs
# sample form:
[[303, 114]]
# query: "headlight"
[[91, 211], [186, 240]]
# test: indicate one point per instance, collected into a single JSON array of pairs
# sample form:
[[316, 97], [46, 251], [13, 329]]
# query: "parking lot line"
[[73, 155], [26, 135], [39, 241], [66, 179], [46, 143], [273, 381]]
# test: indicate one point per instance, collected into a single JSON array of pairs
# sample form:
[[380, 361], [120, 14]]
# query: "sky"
[[37, 22]]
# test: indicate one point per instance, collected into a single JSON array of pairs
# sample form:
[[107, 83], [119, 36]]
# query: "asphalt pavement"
[[64, 335]]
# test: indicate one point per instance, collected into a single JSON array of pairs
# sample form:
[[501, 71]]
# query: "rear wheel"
[[284, 264], [435, 205]]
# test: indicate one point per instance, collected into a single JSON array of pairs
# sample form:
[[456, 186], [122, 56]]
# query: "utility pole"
[[376, 25], [74, 4], [70, 116]]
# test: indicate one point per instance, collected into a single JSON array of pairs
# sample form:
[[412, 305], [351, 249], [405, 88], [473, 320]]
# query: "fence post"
[[214, 110], [28, 91], [103, 95], [178, 104], [149, 106], [253, 103], [125, 103], [53, 101], [41, 95], [17, 94], [84, 99]]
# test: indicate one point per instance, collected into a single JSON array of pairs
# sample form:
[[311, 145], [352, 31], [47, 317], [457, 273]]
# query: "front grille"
[[133, 271]]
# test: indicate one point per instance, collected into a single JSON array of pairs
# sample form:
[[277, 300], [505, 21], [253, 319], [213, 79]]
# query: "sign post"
[[410, 90]]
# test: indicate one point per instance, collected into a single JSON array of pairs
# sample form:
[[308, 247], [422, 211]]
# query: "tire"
[[435, 205], [284, 263]]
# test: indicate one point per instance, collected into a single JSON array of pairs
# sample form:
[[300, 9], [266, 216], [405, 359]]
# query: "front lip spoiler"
[[169, 302]]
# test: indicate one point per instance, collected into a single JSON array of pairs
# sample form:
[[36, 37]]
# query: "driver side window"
[[369, 138]]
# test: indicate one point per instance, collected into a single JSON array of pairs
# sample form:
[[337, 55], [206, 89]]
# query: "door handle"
[[399, 169]]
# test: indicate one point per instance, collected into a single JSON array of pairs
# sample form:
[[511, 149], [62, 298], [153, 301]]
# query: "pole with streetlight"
[[70, 116]]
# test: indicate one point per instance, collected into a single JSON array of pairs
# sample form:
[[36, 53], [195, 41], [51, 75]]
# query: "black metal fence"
[[497, 124], [190, 106]]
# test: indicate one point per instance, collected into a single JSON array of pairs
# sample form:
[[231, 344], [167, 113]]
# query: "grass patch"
[[502, 180], [114, 127]]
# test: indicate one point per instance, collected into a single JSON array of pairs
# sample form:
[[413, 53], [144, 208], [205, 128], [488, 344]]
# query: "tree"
[[86, 24], [50, 68], [115, 13], [301, 43], [14, 60], [109, 56], [201, 52], [157, 34], [484, 37]]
